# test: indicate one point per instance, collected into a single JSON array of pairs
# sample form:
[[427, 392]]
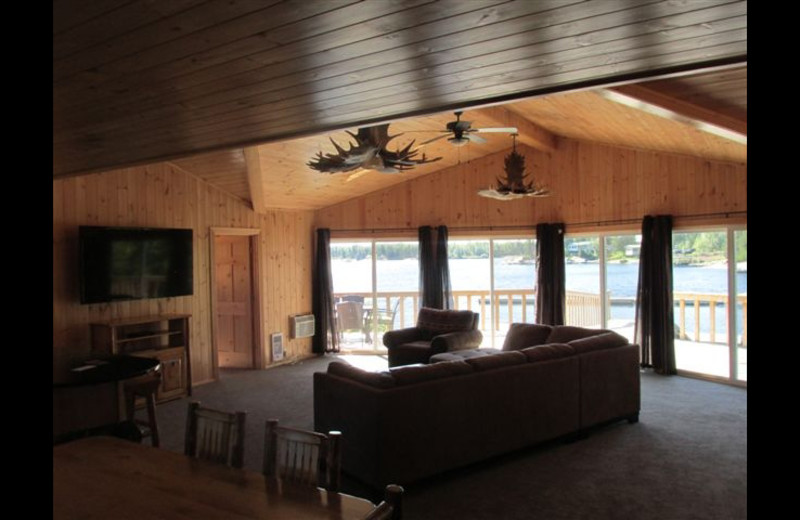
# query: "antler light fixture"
[[370, 153], [513, 185]]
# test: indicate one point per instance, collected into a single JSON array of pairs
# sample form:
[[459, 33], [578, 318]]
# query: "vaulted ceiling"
[[244, 93]]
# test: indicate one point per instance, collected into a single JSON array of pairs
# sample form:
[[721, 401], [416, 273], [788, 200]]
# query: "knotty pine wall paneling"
[[163, 195], [589, 182]]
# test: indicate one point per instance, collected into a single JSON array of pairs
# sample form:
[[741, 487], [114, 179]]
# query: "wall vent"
[[302, 326]]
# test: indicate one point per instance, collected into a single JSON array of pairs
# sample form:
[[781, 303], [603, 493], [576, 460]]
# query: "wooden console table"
[[103, 477]]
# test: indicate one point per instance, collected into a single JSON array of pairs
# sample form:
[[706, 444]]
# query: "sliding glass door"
[[383, 277], [700, 292], [710, 272]]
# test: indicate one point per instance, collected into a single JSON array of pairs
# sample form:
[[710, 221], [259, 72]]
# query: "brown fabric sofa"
[[416, 421], [436, 331]]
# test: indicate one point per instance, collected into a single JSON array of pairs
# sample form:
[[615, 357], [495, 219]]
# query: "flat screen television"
[[128, 263]]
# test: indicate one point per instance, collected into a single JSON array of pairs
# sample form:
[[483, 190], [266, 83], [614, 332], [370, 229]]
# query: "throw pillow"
[[522, 335], [600, 342], [567, 333]]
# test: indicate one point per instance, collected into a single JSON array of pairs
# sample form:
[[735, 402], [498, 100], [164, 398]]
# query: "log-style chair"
[[392, 506], [303, 456], [215, 435], [145, 387]]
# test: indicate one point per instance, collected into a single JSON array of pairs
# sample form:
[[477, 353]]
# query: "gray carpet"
[[685, 459]]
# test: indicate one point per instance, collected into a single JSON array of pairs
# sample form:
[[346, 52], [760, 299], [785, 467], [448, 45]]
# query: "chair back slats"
[[215, 435], [302, 456], [298, 460]]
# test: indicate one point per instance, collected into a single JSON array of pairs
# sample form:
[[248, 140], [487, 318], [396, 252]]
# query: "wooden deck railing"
[[583, 309], [710, 300], [510, 305]]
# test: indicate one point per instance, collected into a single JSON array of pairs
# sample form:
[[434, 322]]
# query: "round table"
[[105, 370], [90, 394]]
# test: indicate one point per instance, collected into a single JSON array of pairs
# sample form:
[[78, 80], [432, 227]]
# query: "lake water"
[[622, 279]]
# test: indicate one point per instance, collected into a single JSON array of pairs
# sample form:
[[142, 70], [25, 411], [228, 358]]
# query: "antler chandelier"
[[370, 153], [513, 186]]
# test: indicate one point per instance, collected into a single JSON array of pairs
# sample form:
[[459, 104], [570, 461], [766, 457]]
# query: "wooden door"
[[234, 301]]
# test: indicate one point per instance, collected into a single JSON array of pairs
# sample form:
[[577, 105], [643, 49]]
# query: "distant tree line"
[[455, 249]]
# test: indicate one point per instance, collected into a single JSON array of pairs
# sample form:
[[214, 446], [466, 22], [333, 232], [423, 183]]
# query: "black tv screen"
[[126, 263]]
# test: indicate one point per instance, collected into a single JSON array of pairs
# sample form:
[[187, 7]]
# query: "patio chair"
[[349, 318], [385, 319]]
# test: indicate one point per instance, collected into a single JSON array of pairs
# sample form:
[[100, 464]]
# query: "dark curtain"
[[430, 283], [550, 280], [325, 338], [443, 267], [655, 323]]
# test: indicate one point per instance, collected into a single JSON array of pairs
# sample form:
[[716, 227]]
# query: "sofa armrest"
[[461, 340], [393, 338]]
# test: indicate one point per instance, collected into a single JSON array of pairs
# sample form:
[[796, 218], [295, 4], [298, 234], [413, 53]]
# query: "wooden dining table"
[[104, 477]]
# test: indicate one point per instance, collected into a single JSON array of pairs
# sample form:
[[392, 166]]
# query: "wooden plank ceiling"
[[141, 81], [285, 180]]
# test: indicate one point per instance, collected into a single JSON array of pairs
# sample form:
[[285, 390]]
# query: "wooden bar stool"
[[146, 388]]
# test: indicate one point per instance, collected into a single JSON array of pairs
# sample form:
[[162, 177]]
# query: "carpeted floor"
[[685, 459]]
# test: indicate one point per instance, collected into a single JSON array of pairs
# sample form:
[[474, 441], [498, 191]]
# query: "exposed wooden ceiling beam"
[[255, 178], [657, 103], [529, 133]]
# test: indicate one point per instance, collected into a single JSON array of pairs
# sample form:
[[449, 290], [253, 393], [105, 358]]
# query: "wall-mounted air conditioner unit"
[[302, 326]]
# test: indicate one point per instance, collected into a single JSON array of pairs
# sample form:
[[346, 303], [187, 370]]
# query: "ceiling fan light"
[[458, 141]]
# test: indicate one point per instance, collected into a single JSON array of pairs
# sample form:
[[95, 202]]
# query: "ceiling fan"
[[460, 132]]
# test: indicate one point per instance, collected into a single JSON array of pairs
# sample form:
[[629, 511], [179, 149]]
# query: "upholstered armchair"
[[436, 331]]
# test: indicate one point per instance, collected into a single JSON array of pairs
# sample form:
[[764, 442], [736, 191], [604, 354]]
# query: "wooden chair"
[[303, 456], [145, 387], [215, 435], [392, 506]]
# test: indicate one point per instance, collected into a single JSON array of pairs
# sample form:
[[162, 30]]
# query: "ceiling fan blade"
[[508, 130], [477, 139], [434, 139]]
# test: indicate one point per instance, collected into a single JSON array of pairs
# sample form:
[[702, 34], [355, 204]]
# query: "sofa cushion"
[[567, 333], [501, 359], [609, 339], [375, 379], [410, 374], [437, 321], [457, 355], [548, 352], [522, 335]]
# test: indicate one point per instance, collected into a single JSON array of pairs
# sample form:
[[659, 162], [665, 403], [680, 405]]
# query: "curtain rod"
[[727, 214]]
